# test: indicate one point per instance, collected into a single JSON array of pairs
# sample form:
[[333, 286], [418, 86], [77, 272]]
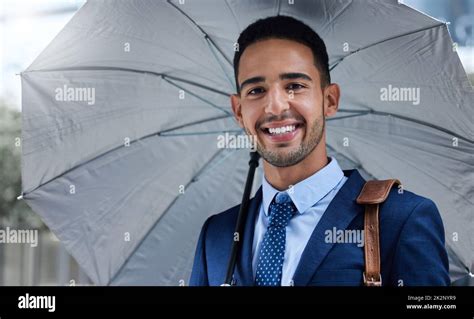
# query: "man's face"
[[281, 100]]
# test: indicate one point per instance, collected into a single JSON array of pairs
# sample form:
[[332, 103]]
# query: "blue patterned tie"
[[272, 252]]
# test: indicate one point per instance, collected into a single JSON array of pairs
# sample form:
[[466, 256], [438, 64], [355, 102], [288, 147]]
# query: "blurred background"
[[26, 28]]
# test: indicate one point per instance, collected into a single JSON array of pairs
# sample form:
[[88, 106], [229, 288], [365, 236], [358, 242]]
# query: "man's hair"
[[288, 28]]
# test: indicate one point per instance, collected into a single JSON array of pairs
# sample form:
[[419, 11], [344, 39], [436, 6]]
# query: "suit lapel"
[[243, 270], [339, 214]]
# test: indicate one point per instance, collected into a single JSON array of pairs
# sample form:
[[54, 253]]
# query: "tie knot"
[[281, 198], [281, 210]]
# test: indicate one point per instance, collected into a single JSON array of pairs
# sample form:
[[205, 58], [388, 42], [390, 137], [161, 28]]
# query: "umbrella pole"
[[253, 163]]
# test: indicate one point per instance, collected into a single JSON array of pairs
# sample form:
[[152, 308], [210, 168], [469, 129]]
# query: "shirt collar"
[[309, 191]]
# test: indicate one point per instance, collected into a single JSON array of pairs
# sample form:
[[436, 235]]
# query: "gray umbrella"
[[123, 111]]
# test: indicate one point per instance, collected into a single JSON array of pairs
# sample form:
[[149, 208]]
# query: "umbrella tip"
[[20, 197]]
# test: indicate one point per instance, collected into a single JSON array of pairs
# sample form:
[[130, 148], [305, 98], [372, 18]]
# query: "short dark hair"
[[288, 28]]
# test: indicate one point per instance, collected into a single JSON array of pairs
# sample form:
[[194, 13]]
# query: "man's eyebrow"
[[295, 75], [255, 79], [283, 76]]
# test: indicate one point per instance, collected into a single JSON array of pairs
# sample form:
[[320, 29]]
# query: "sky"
[[28, 26]]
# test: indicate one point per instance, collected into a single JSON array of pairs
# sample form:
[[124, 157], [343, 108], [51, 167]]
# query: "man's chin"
[[279, 157]]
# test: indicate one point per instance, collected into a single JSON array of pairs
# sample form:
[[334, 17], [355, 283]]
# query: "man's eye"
[[255, 91], [295, 86]]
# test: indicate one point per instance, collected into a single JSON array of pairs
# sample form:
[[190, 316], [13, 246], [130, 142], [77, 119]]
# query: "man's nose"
[[277, 101]]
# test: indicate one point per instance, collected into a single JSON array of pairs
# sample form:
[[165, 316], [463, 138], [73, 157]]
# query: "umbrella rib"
[[198, 97], [200, 133], [436, 127], [189, 124], [233, 14], [192, 180], [162, 75], [332, 67], [24, 194], [196, 84], [220, 64], [347, 116], [206, 36], [208, 168]]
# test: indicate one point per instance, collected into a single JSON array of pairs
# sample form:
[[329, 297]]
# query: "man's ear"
[[236, 108], [331, 99]]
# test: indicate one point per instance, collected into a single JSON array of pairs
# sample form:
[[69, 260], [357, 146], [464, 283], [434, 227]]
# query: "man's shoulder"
[[223, 222], [401, 204], [227, 216]]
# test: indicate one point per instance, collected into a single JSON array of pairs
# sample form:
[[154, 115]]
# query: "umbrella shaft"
[[253, 163]]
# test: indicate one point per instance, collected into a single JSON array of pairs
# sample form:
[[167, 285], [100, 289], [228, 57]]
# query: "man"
[[284, 94]]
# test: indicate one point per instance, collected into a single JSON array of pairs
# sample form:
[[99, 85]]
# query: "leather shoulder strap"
[[373, 193], [376, 192]]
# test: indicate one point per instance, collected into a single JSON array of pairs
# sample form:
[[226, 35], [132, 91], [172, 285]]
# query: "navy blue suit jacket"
[[411, 243]]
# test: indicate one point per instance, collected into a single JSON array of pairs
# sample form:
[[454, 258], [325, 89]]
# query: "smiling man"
[[284, 95]]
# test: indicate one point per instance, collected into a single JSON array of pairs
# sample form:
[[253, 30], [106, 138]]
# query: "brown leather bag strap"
[[373, 193]]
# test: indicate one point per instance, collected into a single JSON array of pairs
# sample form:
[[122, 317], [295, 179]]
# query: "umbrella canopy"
[[123, 111]]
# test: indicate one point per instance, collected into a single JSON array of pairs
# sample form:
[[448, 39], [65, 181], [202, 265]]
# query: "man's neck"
[[281, 178]]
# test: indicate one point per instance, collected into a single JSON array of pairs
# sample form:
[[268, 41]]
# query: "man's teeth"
[[282, 130]]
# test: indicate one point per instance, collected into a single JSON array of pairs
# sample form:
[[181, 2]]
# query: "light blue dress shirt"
[[311, 197]]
